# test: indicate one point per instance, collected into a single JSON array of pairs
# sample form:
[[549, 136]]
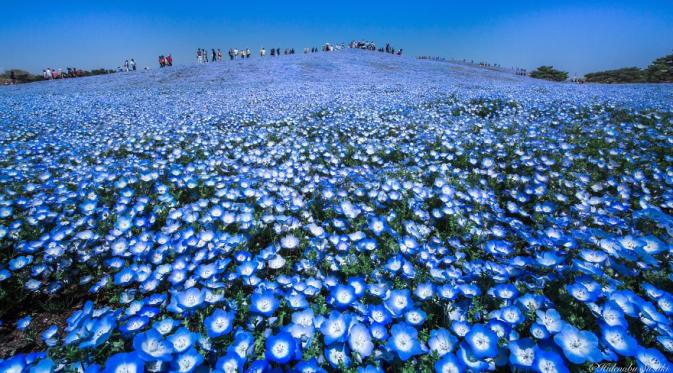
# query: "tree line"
[[659, 71]]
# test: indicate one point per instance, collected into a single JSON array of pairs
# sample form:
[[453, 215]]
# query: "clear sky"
[[576, 36]]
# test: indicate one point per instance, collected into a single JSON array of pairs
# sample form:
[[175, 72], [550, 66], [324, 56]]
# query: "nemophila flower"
[[338, 356], [652, 359], [13, 364], [522, 352], [124, 362], [398, 302], [100, 331], [219, 323], [449, 364], [551, 320], [613, 315], [404, 341], [342, 296], [578, 346], [230, 363], [182, 339], [335, 327], [187, 361], [282, 348], [243, 345], [549, 361], [470, 362], [379, 331], [482, 341], [264, 304], [441, 341], [191, 298], [580, 292], [415, 317], [359, 340], [24, 322], [619, 340], [151, 346]]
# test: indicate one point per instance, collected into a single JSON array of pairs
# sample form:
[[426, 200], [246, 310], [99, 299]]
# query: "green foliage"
[[549, 73], [661, 70], [625, 75]]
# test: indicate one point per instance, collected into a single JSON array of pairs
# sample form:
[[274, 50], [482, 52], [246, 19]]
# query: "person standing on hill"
[[133, 64], [169, 60], [262, 52], [214, 55]]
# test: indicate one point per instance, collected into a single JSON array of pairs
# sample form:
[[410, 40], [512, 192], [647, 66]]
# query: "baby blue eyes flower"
[[482, 341], [182, 339], [342, 296], [650, 359], [219, 323], [124, 363], [398, 302], [403, 340], [359, 340], [24, 322], [619, 340], [338, 355], [549, 361], [264, 304], [282, 348], [187, 361], [335, 328], [191, 298], [578, 346], [151, 346], [231, 362], [522, 352], [441, 341], [449, 364]]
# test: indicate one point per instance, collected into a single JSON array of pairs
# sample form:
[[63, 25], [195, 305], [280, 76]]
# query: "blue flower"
[[619, 340], [264, 304], [219, 323], [398, 302], [231, 362], [359, 340], [483, 342], [335, 327], [151, 346], [441, 341], [337, 355], [191, 298], [182, 339], [243, 345], [187, 361], [578, 346], [124, 362], [342, 296], [522, 352], [404, 341], [650, 359], [449, 364], [549, 361], [282, 348]]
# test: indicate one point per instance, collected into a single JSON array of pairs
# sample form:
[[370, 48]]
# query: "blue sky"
[[577, 36]]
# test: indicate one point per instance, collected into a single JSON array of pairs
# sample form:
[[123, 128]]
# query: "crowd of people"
[[165, 60], [368, 45], [70, 72]]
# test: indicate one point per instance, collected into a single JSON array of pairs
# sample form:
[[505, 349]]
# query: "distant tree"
[[20, 76], [625, 75], [549, 73], [661, 70]]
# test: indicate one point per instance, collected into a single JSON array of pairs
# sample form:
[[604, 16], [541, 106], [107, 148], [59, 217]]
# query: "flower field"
[[347, 211]]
